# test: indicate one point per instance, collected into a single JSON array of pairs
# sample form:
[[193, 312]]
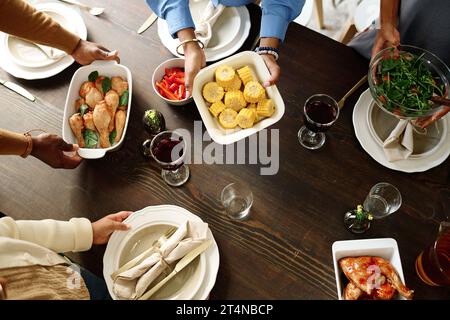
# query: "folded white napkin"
[[52, 53], [133, 283], [400, 143], [203, 29]]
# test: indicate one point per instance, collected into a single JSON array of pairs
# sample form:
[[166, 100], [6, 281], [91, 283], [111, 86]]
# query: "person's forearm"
[[20, 19], [187, 34], [269, 42], [12, 143], [389, 13]]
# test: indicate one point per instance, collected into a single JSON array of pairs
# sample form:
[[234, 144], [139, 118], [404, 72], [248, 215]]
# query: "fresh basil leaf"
[[93, 76], [90, 138], [106, 85], [112, 136], [124, 98], [83, 109]]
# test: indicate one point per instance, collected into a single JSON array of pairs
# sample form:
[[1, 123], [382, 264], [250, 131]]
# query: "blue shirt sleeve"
[[175, 12], [276, 16]]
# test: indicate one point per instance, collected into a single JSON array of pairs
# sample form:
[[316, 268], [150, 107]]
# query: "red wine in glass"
[[164, 152], [319, 115]]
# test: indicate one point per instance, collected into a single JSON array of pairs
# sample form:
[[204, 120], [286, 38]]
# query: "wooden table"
[[284, 250]]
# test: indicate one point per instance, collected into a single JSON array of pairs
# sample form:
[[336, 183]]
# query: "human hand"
[[274, 69], [86, 52], [103, 228], [387, 36], [194, 61], [50, 148]]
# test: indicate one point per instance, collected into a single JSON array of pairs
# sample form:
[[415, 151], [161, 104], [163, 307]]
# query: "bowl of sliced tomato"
[[168, 82]]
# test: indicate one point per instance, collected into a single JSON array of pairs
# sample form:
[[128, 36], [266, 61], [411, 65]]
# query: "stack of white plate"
[[373, 126], [147, 225], [25, 60], [229, 32]]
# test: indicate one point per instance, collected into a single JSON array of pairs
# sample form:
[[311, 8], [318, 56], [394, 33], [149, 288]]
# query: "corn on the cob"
[[235, 85], [234, 99], [245, 74], [216, 108], [254, 92], [227, 118], [225, 76], [265, 108], [252, 108], [212, 92], [246, 118]]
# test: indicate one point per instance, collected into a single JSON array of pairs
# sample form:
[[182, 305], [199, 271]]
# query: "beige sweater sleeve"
[[12, 143], [20, 19], [59, 236]]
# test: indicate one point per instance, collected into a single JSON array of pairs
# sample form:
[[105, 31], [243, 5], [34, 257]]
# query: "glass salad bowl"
[[402, 81]]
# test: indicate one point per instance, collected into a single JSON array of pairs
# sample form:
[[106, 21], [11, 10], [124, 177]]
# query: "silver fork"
[[95, 11], [155, 245]]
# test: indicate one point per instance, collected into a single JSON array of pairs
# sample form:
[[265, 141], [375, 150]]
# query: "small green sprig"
[[362, 214]]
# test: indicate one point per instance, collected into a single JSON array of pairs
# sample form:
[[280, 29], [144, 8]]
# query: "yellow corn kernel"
[[225, 76], [227, 118], [212, 92], [235, 85], [254, 92], [246, 118], [265, 108], [234, 99], [216, 108], [245, 74]]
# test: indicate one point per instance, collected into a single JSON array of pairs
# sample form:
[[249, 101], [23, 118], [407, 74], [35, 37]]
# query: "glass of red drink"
[[168, 148], [319, 114], [433, 264]]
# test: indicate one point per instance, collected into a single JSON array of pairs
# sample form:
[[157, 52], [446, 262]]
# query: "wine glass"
[[168, 148], [320, 112]]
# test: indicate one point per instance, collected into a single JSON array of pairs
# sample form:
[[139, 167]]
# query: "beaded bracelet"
[[268, 50], [186, 41]]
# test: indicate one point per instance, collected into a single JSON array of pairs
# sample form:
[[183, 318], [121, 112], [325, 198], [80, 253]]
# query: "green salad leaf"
[[90, 138], [93, 76], [106, 84], [83, 109], [124, 98], [112, 136]]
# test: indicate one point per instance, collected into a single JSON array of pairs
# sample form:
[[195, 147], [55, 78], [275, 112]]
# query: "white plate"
[[373, 147], [104, 68], [366, 13], [385, 248], [229, 32], [11, 66], [165, 214], [261, 73], [27, 54]]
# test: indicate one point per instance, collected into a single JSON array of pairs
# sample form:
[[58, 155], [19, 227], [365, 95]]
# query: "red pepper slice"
[[179, 80], [169, 95], [173, 87]]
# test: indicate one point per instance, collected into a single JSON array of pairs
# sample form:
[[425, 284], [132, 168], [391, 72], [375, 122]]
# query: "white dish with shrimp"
[[108, 69]]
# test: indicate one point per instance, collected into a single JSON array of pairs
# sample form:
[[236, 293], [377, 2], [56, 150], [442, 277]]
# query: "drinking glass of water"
[[382, 200], [237, 198]]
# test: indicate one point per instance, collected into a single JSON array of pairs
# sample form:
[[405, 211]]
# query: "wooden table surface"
[[284, 250]]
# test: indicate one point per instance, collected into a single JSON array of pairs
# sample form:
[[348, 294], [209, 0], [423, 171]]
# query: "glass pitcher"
[[433, 264]]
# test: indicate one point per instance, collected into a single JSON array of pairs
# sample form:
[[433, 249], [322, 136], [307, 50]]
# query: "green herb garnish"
[[112, 136], [83, 109], [124, 98], [405, 85], [362, 214], [106, 84], [93, 76], [90, 138]]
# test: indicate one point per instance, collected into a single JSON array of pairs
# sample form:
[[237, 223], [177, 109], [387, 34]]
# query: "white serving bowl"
[[159, 73], [385, 248], [260, 73], [105, 68]]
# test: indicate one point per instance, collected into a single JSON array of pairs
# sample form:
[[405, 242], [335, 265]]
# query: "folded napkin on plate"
[[203, 29], [133, 283], [400, 143], [52, 53]]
